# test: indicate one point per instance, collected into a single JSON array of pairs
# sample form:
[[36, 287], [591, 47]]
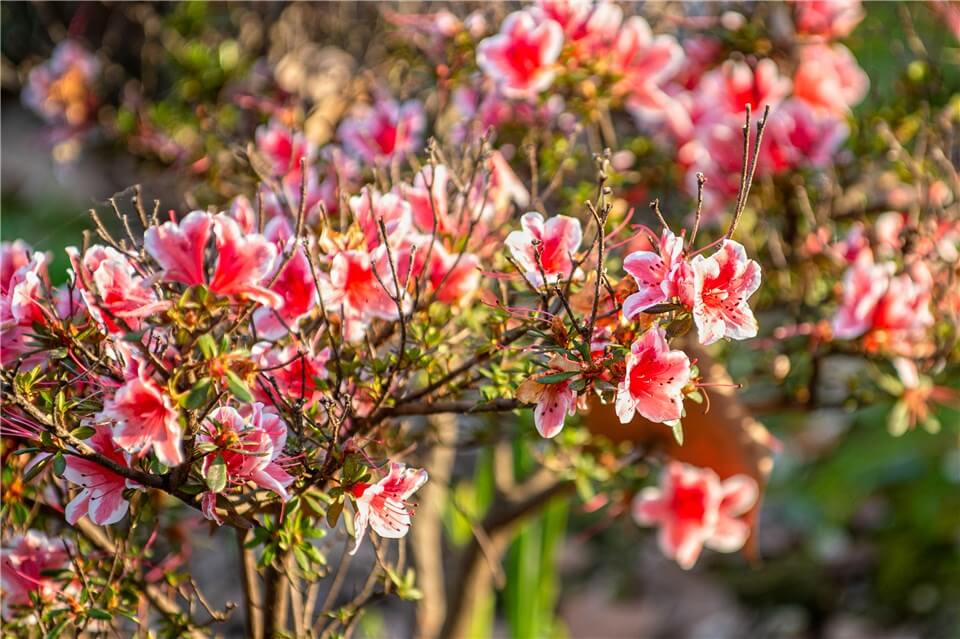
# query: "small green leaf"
[[898, 421], [677, 431], [100, 613], [59, 464], [197, 395], [207, 345], [657, 309], [238, 387], [216, 476], [83, 432], [333, 513], [554, 378]]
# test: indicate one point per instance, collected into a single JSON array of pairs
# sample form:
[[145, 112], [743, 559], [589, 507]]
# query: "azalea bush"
[[644, 231]]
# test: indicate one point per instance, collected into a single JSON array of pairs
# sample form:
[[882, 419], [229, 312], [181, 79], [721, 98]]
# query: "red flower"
[[355, 290], [298, 290], [654, 381], [694, 508], [383, 505], [521, 57], [827, 18], [284, 149], [722, 284], [101, 496]]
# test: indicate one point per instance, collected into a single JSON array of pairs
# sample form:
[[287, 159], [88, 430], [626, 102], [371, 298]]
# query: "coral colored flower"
[[296, 373], [545, 247], [145, 417], [829, 78], [299, 292], [659, 276], [798, 136], [355, 290], [25, 564], [61, 90], [101, 496], [520, 59], [383, 505], [114, 293], [243, 259], [693, 509], [454, 277], [370, 207], [722, 284], [654, 381], [249, 449], [383, 131], [284, 149], [827, 18], [22, 291], [428, 201], [644, 62], [554, 401], [503, 187]]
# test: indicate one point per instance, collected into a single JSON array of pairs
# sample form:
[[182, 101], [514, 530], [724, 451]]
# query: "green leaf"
[[238, 387], [83, 432], [677, 431], [216, 476], [898, 420], [37, 468], [197, 395], [100, 613], [554, 378], [59, 464], [207, 345], [333, 513], [657, 309]]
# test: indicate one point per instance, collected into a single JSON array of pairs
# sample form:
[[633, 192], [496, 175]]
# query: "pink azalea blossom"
[[454, 277], [864, 284], [383, 131], [694, 508], [144, 416], [428, 201], [829, 78], [370, 207], [644, 62], [799, 136], [654, 381], [296, 372], [249, 449], [243, 260], [659, 276], [828, 19], [356, 293], [299, 292], [101, 495], [722, 284], [24, 562], [589, 27], [548, 247], [383, 506], [284, 149], [114, 292], [61, 89], [521, 58]]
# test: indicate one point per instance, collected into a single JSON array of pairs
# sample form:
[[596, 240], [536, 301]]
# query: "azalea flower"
[[26, 562], [864, 284], [383, 506], [355, 292], [693, 509], [144, 416], [722, 284], [427, 198], [383, 131], [454, 277], [248, 448], [554, 401], [548, 247], [284, 149], [654, 381], [829, 78], [101, 495], [520, 59], [61, 89], [22, 289], [243, 260], [295, 372], [659, 276], [799, 136], [645, 62], [112, 289], [297, 288], [828, 19], [370, 207]]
